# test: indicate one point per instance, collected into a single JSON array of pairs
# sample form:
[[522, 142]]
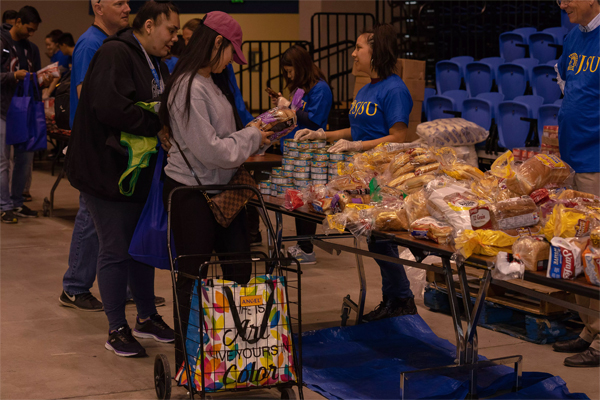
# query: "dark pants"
[[395, 283], [305, 228], [115, 223], [195, 231]]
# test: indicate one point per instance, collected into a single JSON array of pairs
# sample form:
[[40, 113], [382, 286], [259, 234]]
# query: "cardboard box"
[[411, 134], [416, 89], [416, 113], [412, 73], [411, 69]]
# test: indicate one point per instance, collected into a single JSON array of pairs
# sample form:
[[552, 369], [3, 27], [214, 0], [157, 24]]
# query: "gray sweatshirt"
[[208, 139]]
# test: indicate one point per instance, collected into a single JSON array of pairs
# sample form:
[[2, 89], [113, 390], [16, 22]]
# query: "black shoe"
[[27, 197], [123, 344], [25, 212], [402, 306], [83, 301], [571, 346], [158, 301], [154, 328], [255, 240], [9, 217], [589, 358], [377, 312]]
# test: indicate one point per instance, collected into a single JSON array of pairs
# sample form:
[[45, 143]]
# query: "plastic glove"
[[307, 134], [282, 102], [346, 145]]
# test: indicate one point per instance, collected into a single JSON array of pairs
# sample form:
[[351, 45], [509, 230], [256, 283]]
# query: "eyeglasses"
[[561, 2]]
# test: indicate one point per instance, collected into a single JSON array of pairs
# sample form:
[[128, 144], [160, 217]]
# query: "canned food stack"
[[305, 163], [550, 140], [523, 154]]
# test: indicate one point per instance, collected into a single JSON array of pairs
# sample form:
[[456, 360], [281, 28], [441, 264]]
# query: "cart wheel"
[[162, 377], [288, 394], [46, 207], [345, 315]]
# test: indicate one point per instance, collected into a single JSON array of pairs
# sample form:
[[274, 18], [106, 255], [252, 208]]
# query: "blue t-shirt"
[[245, 115], [63, 60], [378, 106], [317, 103], [579, 115], [171, 62], [86, 47]]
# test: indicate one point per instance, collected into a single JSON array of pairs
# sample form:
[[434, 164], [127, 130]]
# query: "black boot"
[[571, 346], [589, 358], [402, 306], [377, 312]]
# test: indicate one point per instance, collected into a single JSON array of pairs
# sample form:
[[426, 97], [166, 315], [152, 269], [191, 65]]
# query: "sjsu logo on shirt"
[[582, 63], [361, 107]]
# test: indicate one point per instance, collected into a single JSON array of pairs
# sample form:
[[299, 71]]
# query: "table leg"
[[455, 311], [363, 284]]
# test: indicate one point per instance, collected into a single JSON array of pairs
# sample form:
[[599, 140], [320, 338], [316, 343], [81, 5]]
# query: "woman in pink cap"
[[210, 142]]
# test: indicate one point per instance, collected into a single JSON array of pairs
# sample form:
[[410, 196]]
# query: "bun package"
[[451, 132], [539, 171], [432, 229]]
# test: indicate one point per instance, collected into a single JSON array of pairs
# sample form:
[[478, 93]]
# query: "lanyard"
[[157, 75]]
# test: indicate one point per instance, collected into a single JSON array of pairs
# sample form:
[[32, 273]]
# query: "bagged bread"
[[569, 222], [591, 265], [483, 242], [416, 206], [452, 205], [533, 252], [432, 229], [391, 218], [400, 180], [573, 194], [565, 258], [398, 162], [539, 171], [516, 213], [451, 132], [415, 184]]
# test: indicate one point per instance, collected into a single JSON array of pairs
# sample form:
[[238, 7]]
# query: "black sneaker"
[[83, 301], [154, 328], [377, 312], [9, 217], [27, 197], [255, 240], [158, 301], [123, 344], [25, 212], [401, 306]]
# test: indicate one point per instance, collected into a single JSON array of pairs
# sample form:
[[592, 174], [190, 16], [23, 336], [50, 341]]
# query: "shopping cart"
[[238, 336]]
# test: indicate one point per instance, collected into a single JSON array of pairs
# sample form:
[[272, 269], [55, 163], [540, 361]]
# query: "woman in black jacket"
[[124, 71]]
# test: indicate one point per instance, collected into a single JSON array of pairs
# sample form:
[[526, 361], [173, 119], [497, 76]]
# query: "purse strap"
[[208, 200]]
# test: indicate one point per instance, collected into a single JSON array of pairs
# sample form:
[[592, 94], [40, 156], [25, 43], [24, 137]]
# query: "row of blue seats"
[[512, 79], [514, 118], [543, 45]]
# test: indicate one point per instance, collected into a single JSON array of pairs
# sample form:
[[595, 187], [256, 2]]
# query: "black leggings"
[[195, 231]]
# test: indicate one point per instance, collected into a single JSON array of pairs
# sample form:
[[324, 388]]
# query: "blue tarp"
[[365, 362]]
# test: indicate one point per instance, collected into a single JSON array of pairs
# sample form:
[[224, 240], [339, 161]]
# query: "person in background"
[[66, 44], [579, 143], [53, 51], [379, 114], [300, 72], [173, 57], [125, 70], [199, 109], [19, 56], [9, 17], [188, 29]]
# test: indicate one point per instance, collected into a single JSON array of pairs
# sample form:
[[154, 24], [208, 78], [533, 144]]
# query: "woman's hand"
[[275, 99], [163, 137], [254, 124], [265, 138], [282, 102], [307, 134], [346, 145]]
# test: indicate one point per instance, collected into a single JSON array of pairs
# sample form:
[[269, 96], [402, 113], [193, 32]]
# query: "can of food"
[[287, 160], [276, 171], [313, 145], [332, 177], [318, 164], [288, 174], [293, 153], [331, 171], [284, 188], [332, 165], [287, 167], [305, 154], [291, 143], [320, 143], [279, 180], [336, 156], [301, 162], [303, 145], [265, 192], [273, 192], [348, 156], [274, 186], [319, 176], [321, 155], [265, 184], [303, 183], [301, 175], [319, 182], [302, 169], [281, 195], [318, 170]]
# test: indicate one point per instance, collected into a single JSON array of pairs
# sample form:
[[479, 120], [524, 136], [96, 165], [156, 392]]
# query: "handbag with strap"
[[227, 204]]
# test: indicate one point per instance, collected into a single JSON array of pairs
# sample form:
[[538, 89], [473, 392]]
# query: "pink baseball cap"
[[224, 25]]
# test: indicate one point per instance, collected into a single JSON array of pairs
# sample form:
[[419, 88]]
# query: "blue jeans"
[[395, 283], [11, 196], [115, 223], [83, 255]]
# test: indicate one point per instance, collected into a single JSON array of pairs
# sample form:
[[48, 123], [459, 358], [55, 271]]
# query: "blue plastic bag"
[[149, 242], [36, 119], [19, 113]]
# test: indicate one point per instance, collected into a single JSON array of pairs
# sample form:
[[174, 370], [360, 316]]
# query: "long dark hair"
[[383, 42], [197, 55], [306, 73]]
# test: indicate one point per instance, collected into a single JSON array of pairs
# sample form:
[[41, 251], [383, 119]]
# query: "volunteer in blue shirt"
[[300, 72], [379, 114], [579, 141]]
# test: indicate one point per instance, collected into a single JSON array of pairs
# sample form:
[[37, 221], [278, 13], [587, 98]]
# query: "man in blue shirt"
[[579, 141], [110, 16], [53, 52]]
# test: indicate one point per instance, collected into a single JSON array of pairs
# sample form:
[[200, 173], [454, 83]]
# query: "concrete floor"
[[51, 352]]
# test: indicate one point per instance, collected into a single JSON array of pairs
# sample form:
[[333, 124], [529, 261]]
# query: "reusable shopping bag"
[[25, 118], [246, 335], [149, 245]]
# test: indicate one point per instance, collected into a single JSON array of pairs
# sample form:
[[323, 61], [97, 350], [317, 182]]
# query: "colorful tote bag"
[[246, 335]]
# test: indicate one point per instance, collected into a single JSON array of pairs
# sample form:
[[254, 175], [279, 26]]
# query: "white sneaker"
[[302, 257]]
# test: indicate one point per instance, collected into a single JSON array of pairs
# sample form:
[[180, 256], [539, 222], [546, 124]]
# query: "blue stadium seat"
[[480, 75], [543, 46], [462, 61], [513, 44], [552, 62], [525, 31], [558, 102], [479, 111], [493, 97], [533, 102], [512, 80], [451, 100], [448, 76], [528, 63], [543, 84], [547, 115], [428, 93], [512, 131], [558, 32]]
